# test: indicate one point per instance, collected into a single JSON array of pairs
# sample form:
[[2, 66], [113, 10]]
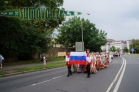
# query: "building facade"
[[117, 44]]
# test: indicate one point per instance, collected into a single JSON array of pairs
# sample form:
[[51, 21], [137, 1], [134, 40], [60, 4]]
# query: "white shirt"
[[67, 59], [88, 59]]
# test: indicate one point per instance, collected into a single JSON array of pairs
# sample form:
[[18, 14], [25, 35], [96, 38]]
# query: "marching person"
[[98, 61], [73, 68], [119, 54], [93, 63], [102, 60], [106, 59], [1, 59], [68, 64], [88, 62], [110, 58]]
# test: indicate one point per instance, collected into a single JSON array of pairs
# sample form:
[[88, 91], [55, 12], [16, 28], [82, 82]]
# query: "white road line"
[[48, 80], [120, 79], [109, 88]]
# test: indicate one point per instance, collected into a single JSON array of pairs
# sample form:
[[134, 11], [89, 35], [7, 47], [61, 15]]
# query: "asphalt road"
[[130, 81], [55, 80]]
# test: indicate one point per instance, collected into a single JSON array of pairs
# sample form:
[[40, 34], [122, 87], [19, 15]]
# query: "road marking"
[[47, 80], [120, 79], [109, 88], [123, 64]]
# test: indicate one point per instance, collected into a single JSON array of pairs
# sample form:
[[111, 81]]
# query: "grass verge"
[[2, 72], [33, 68], [51, 59]]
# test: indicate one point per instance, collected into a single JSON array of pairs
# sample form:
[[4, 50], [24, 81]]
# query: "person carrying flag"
[[68, 64], [88, 62]]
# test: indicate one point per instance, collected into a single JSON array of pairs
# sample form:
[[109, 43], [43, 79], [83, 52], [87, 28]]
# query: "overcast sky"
[[118, 18]]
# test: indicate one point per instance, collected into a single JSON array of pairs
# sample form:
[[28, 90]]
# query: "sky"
[[118, 18]]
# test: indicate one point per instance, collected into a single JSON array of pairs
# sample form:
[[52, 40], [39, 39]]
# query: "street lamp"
[[82, 31], [108, 47]]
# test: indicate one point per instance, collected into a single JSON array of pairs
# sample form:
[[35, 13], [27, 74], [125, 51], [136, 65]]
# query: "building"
[[117, 44]]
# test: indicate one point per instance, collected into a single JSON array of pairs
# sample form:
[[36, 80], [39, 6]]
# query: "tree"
[[8, 4], [39, 23], [135, 45], [70, 32], [118, 49], [125, 49], [19, 38], [113, 49], [23, 38]]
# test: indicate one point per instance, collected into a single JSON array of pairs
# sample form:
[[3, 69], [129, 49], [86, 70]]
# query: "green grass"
[[10, 63], [55, 59], [28, 68], [52, 59], [2, 72], [33, 68]]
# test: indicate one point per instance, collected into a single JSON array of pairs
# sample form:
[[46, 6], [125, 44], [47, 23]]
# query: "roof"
[[110, 40]]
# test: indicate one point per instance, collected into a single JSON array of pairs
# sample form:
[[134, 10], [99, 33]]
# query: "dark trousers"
[[88, 70], [69, 70]]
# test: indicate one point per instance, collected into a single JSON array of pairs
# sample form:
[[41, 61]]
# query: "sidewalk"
[[25, 65]]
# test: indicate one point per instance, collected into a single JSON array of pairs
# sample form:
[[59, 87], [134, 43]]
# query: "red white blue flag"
[[77, 58]]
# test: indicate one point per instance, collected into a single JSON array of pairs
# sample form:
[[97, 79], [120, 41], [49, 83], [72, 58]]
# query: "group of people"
[[94, 62]]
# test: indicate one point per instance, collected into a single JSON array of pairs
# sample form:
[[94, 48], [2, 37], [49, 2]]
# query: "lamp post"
[[82, 32], [108, 48]]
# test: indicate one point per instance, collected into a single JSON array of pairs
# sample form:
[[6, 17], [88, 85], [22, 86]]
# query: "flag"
[[78, 58]]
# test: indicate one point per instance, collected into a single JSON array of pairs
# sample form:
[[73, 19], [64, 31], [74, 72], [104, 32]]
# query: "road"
[[121, 76]]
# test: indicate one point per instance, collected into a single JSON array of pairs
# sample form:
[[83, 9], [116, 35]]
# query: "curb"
[[24, 72]]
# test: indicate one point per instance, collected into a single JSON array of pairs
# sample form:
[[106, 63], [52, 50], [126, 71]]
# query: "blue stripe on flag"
[[77, 57]]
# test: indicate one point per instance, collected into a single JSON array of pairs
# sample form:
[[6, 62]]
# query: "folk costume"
[[93, 64], [78, 68], [98, 61], [68, 65], [88, 61], [106, 60], [73, 68], [110, 58], [102, 60]]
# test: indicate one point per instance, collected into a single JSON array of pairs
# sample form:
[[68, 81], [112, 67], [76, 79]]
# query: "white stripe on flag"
[[78, 54]]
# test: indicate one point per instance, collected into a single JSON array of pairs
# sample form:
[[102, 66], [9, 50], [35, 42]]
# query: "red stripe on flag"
[[82, 62]]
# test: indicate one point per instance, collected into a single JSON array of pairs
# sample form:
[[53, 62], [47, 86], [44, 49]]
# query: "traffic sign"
[[132, 49], [10, 13], [35, 13]]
